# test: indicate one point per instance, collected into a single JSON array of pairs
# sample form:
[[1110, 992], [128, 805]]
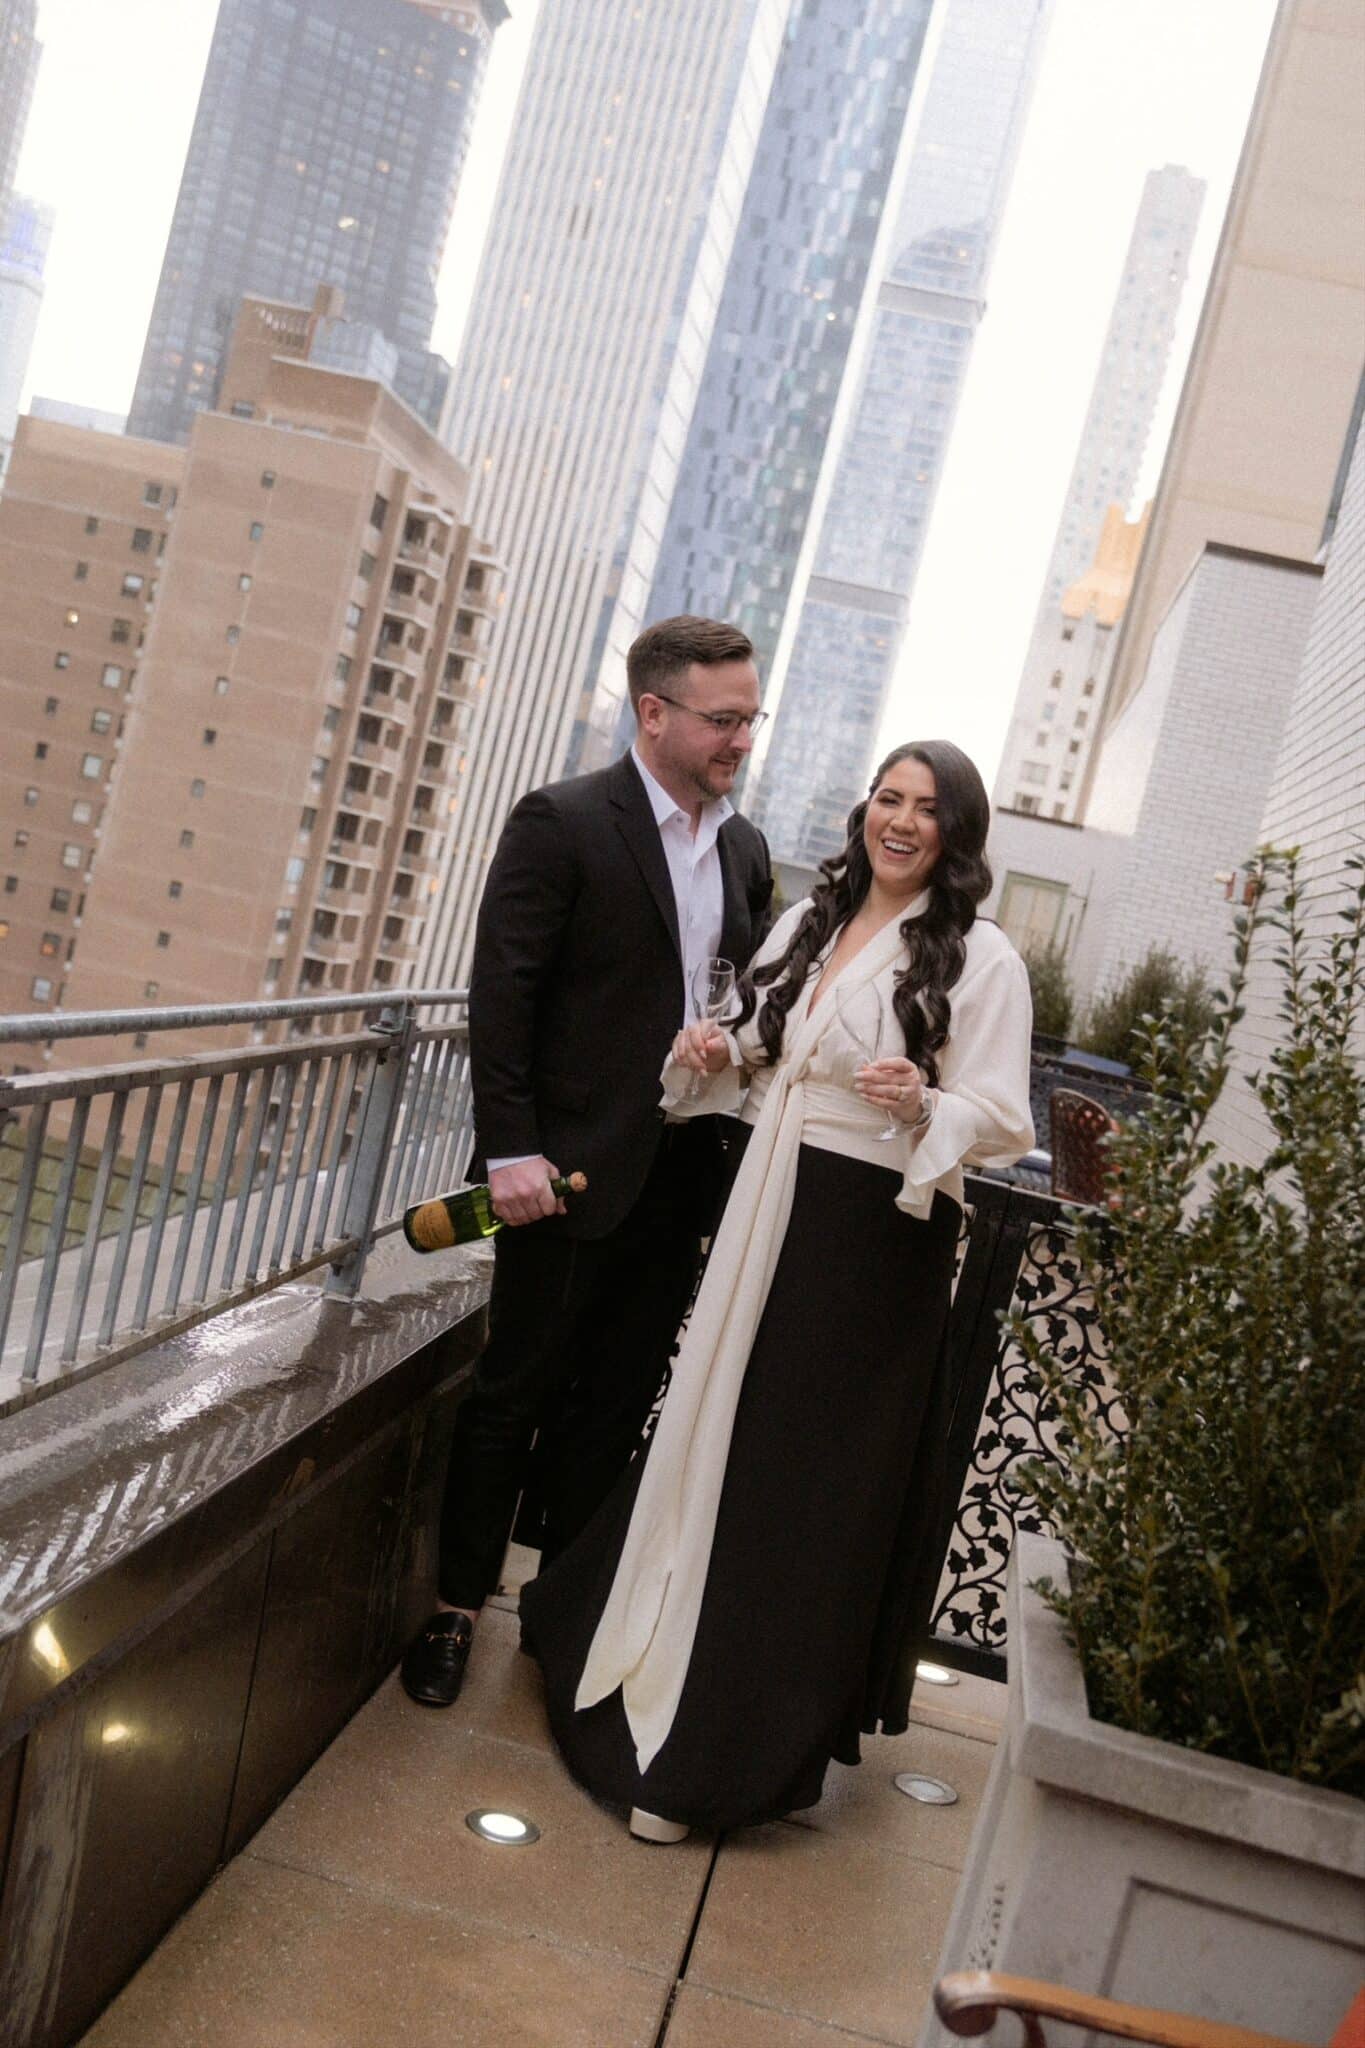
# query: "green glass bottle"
[[448, 1220]]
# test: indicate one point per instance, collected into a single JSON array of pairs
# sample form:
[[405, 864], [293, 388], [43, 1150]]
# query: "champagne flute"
[[869, 1044], [713, 987]]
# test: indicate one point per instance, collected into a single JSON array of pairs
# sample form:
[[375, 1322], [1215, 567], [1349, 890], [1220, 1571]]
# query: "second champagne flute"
[[713, 986]]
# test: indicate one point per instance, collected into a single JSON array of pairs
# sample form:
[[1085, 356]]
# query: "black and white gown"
[[741, 1607]]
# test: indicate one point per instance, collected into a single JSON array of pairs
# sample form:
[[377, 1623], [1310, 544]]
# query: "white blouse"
[[644, 1637], [981, 1115]]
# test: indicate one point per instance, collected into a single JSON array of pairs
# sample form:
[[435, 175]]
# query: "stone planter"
[[1147, 1872]]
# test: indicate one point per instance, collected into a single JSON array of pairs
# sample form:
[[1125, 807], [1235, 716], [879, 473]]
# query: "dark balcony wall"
[[242, 1585]]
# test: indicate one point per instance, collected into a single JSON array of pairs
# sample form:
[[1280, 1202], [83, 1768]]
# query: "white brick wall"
[[1187, 768], [1316, 799]]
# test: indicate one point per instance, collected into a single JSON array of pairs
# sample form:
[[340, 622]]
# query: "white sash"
[[644, 1638]]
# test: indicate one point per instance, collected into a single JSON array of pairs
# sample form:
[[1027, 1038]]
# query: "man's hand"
[[703, 1048], [522, 1193]]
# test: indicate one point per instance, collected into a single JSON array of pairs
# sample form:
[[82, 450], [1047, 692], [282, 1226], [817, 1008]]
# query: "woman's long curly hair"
[[935, 942]]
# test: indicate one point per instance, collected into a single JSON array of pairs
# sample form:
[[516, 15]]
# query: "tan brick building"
[[267, 802]]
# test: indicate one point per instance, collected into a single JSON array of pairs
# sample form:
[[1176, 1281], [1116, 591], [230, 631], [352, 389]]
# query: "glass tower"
[[326, 151], [929, 302], [796, 282], [19, 54]]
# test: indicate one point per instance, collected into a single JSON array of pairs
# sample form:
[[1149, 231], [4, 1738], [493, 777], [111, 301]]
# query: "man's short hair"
[[666, 651]]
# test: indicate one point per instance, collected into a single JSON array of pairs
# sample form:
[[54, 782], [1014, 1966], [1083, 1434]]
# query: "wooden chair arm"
[[970, 2001]]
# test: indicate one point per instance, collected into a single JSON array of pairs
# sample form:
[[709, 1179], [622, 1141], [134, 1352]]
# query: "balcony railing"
[[149, 1195]]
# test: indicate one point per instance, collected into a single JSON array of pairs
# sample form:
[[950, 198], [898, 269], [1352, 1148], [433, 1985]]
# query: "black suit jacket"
[[576, 991]]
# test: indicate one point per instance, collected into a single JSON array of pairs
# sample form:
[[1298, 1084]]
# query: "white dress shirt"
[[698, 888]]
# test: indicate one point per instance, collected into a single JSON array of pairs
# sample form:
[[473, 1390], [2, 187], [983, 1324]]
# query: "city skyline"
[[1115, 94]]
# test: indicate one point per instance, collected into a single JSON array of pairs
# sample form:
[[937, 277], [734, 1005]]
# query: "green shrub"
[[1218, 1594], [1156, 982], [1053, 1002]]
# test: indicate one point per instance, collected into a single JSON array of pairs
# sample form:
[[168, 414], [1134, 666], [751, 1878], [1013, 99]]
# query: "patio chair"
[[971, 2001], [1079, 1127]]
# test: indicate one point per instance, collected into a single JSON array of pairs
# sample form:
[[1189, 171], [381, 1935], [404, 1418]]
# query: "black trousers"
[[580, 1332]]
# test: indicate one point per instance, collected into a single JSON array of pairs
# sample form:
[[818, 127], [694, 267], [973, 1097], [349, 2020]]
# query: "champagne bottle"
[[461, 1219]]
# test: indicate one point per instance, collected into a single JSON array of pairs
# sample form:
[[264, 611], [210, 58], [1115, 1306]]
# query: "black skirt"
[[818, 1512]]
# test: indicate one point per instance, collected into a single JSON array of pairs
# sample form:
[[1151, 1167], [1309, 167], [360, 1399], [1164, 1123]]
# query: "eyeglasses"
[[723, 722]]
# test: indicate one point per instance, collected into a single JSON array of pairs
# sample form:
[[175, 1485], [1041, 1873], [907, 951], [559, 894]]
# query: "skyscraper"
[[19, 54], [811, 217], [887, 467], [25, 237], [326, 150], [593, 312], [1109, 455]]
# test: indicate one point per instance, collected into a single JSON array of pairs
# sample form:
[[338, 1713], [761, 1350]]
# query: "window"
[[234, 634], [187, 838], [73, 617], [82, 812], [21, 838], [1034, 772], [40, 751], [121, 631], [293, 871], [244, 581], [1073, 746], [220, 686], [1068, 632], [283, 920], [1027, 804], [4, 927], [257, 530], [61, 659], [1088, 689], [273, 970], [30, 796], [342, 671], [1055, 682], [73, 856], [331, 719], [243, 409], [132, 585], [354, 614], [60, 901], [163, 940], [319, 768], [42, 989], [151, 494], [92, 525], [175, 888], [50, 945], [197, 786], [379, 511], [82, 571], [11, 884], [151, 990], [92, 766], [210, 735], [111, 675], [267, 479], [308, 817], [142, 540], [366, 566], [1081, 721], [51, 706], [100, 721]]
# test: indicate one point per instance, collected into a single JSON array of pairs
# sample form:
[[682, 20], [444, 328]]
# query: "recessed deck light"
[[928, 1791], [935, 1674], [508, 1830]]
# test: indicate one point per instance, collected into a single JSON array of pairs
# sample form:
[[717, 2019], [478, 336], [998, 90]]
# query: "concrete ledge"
[[210, 1555]]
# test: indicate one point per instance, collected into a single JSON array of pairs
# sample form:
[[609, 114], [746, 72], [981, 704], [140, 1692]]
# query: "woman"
[[749, 1599]]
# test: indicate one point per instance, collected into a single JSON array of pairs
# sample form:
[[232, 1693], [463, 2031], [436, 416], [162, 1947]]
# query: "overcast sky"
[[1125, 85]]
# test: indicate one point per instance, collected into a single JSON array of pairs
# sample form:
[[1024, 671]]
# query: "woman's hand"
[[702, 1047], [895, 1085]]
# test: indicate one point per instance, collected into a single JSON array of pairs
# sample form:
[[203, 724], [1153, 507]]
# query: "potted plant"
[[1174, 1816]]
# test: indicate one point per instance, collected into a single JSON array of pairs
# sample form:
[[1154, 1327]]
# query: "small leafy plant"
[[1155, 983], [1050, 986], [1217, 1592]]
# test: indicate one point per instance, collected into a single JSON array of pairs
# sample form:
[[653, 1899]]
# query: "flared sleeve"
[[982, 1115]]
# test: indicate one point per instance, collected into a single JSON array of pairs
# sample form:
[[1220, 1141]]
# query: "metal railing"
[[146, 1196]]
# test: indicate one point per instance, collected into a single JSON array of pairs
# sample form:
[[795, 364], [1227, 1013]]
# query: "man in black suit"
[[604, 895]]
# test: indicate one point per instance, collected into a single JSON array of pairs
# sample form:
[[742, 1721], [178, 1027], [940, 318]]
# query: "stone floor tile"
[[861, 1804], [827, 1928], [705, 2019], [274, 1958], [502, 1695], [974, 1706], [385, 1809]]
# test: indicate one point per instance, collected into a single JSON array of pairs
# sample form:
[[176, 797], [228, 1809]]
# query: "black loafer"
[[434, 1665]]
